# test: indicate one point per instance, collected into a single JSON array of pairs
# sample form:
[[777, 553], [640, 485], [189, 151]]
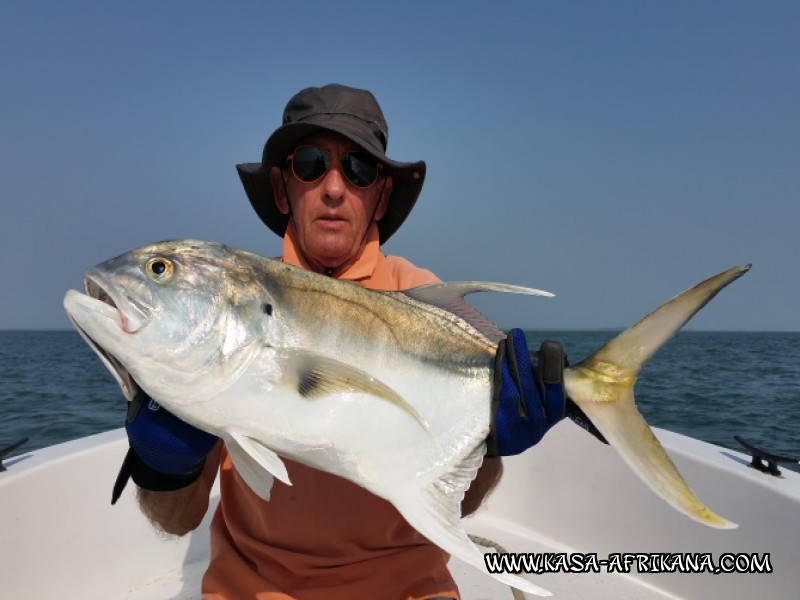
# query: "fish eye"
[[159, 268]]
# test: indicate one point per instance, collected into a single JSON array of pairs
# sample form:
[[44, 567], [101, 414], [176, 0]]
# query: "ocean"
[[708, 385]]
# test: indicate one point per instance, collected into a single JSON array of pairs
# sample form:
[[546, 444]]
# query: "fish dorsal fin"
[[450, 297], [436, 514], [256, 463], [316, 376]]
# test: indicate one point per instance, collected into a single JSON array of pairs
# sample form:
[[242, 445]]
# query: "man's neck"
[[359, 266]]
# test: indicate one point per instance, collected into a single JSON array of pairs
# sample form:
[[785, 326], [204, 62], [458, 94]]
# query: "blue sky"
[[614, 153]]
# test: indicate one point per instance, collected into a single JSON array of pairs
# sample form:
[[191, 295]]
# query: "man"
[[327, 187]]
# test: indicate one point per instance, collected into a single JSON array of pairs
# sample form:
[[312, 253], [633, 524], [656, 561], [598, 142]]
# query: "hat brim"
[[407, 178]]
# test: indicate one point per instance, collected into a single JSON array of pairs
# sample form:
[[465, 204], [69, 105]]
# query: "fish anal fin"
[[435, 512]]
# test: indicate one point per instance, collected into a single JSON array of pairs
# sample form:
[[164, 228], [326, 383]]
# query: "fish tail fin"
[[602, 386]]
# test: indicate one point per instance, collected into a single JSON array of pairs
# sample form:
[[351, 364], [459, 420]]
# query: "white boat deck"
[[60, 537]]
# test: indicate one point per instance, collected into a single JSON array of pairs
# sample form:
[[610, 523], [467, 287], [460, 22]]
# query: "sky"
[[614, 153]]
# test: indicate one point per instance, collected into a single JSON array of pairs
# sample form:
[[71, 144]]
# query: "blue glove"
[[528, 394], [165, 453]]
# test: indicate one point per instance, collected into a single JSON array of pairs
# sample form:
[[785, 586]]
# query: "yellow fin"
[[602, 386]]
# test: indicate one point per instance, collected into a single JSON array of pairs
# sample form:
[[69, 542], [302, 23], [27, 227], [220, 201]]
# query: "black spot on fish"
[[266, 308], [307, 382]]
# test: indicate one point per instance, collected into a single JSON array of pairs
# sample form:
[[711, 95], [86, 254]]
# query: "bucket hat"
[[352, 113]]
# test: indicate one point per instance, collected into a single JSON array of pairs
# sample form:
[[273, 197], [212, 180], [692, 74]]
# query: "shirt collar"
[[361, 268]]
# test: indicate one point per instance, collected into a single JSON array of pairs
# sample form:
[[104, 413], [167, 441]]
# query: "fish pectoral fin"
[[435, 512], [256, 463], [317, 376], [450, 297]]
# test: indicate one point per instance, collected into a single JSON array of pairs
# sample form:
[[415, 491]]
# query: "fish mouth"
[[127, 313], [133, 313]]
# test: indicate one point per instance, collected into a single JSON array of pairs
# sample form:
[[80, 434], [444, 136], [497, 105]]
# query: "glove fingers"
[[163, 441], [550, 369], [526, 382], [555, 403]]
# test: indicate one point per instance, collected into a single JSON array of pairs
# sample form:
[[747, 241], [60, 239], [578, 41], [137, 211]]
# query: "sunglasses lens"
[[309, 163], [360, 167]]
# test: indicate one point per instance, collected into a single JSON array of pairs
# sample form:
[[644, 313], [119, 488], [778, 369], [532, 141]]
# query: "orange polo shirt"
[[323, 538]]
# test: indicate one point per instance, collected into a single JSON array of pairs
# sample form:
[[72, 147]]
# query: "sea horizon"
[[709, 385]]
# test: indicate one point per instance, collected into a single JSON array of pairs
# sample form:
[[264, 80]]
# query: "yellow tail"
[[602, 386]]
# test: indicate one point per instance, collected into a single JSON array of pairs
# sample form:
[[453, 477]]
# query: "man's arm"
[[180, 511], [173, 464]]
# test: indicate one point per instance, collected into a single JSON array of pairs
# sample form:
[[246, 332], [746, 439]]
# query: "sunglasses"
[[310, 163]]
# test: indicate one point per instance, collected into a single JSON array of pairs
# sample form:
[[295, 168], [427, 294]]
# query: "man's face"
[[331, 215]]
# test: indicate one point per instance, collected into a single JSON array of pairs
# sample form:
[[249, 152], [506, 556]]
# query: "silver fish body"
[[390, 390]]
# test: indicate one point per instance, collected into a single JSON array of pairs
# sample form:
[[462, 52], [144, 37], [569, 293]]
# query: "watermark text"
[[627, 562]]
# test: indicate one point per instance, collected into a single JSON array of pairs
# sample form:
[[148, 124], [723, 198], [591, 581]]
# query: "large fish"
[[390, 390]]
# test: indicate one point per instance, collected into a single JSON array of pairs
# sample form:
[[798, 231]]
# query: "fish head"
[[177, 319]]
